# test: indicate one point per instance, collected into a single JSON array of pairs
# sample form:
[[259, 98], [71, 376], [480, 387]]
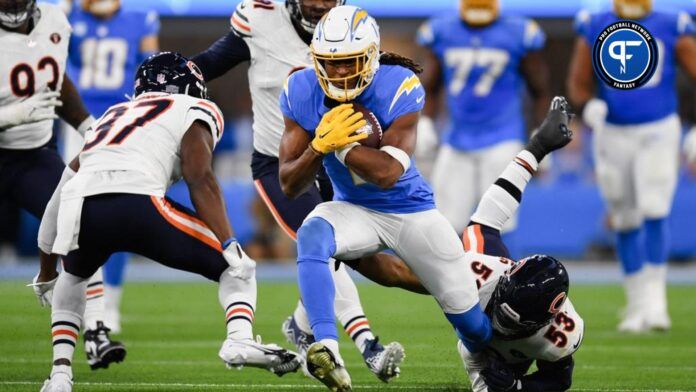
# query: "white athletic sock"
[[333, 346], [94, 310], [238, 298], [66, 316], [301, 318], [348, 309]]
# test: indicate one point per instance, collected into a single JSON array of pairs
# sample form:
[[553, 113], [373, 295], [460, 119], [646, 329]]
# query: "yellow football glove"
[[337, 129]]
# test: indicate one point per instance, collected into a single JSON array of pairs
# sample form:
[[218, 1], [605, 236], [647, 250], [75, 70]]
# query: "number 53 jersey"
[[30, 64], [135, 146], [480, 68], [561, 338]]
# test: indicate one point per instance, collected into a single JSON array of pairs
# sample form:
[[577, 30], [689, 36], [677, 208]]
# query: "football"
[[372, 128]]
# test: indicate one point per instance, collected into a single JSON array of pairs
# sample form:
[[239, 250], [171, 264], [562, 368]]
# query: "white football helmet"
[[346, 33]]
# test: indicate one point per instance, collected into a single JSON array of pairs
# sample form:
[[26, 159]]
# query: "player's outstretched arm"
[[299, 163], [73, 110], [222, 56], [385, 166]]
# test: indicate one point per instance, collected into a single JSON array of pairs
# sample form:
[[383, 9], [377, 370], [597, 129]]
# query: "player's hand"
[[39, 107], [499, 378], [690, 146], [553, 133], [337, 129], [427, 138], [242, 266], [43, 290]]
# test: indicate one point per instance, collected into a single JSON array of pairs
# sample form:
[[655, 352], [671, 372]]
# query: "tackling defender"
[[34, 90], [115, 201], [275, 38], [637, 136], [381, 201], [483, 60]]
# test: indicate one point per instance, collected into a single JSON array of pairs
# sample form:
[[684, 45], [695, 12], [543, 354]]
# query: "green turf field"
[[173, 332]]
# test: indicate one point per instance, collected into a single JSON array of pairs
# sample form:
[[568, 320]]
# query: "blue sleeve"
[[409, 97], [473, 328], [685, 24], [583, 21], [534, 37], [426, 34], [222, 56]]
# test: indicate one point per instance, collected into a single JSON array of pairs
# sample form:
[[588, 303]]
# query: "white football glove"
[[690, 145], [427, 138], [43, 290], [242, 266], [39, 107], [595, 113]]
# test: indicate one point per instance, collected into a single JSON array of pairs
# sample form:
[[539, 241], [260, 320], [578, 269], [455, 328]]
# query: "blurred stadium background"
[[562, 213]]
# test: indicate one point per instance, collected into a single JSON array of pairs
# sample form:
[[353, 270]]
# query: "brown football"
[[372, 128]]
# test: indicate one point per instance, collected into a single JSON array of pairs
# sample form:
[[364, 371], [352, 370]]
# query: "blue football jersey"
[[104, 55], [657, 99], [481, 75], [394, 92]]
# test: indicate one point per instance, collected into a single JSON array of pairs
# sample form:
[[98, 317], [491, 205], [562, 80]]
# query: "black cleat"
[[102, 351]]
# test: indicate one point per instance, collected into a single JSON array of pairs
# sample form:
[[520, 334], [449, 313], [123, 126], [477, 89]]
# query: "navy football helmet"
[[171, 73], [308, 15], [528, 297], [14, 13]]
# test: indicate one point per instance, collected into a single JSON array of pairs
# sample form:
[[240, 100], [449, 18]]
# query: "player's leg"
[[657, 169], [114, 271], [434, 252], [454, 194], [615, 151]]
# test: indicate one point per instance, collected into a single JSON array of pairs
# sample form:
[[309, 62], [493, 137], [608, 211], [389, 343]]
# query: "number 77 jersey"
[[137, 143], [559, 339], [481, 73]]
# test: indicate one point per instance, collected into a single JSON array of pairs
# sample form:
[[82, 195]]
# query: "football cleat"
[[323, 365], [59, 382], [384, 361], [302, 340], [102, 351], [277, 360]]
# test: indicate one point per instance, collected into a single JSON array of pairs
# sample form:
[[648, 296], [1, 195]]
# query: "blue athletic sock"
[[657, 237], [315, 245], [631, 250], [473, 328], [114, 269]]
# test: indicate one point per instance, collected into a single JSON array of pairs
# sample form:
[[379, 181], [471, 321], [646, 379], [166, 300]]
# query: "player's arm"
[[686, 54], [581, 85], [222, 56], [299, 163], [550, 376], [149, 44], [536, 73], [385, 166], [73, 110], [431, 78]]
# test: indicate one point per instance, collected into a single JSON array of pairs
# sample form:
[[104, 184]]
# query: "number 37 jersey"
[[135, 146], [559, 339], [30, 64]]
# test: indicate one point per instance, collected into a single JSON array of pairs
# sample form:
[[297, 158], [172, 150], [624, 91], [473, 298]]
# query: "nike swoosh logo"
[[576, 345], [419, 100]]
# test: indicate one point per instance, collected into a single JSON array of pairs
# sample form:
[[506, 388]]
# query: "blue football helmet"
[[171, 73]]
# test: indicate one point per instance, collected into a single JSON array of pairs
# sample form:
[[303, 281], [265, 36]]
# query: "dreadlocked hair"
[[389, 58]]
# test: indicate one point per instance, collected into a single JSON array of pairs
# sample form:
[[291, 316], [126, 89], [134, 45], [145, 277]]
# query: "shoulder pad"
[[55, 15], [252, 15]]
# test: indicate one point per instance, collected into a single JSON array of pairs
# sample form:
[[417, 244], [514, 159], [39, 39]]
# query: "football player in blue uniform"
[[484, 61], [106, 47], [637, 136], [380, 199]]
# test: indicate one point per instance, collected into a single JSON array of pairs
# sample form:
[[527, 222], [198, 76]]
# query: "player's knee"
[[315, 241]]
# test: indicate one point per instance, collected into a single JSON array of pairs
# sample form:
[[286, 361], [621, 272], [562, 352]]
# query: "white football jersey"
[[29, 64], [135, 146], [558, 340], [276, 51]]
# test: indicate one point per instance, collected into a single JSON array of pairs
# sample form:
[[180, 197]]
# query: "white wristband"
[[398, 154], [342, 153], [84, 126]]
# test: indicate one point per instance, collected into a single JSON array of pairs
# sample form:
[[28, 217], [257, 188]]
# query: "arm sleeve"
[[551, 376], [222, 56], [152, 24], [534, 37]]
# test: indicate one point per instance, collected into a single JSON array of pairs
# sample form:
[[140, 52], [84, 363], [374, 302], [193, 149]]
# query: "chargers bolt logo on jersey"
[[625, 55]]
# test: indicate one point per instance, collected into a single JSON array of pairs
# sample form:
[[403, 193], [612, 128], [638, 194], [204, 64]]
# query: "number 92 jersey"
[[657, 99], [29, 64], [481, 74], [134, 147], [558, 340]]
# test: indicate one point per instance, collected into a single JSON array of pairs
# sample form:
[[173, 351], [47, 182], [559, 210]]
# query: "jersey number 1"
[[157, 107]]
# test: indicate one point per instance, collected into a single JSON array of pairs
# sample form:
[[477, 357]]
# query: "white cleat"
[[277, 360], [323, 364], [59, 382], [384, 361], [633, 323]]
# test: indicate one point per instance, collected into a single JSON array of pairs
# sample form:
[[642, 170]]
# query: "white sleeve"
[[49, 222]]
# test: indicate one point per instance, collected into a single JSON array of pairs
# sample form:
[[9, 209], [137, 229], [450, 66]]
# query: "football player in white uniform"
[[114, 201], [275, 38], [33, 92]]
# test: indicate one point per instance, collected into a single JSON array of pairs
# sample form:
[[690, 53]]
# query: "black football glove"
[[553, 132], [499, 378]]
